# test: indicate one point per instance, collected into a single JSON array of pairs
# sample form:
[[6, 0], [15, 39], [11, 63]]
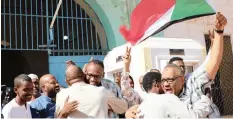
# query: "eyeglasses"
[[170, 80], [93, 76]]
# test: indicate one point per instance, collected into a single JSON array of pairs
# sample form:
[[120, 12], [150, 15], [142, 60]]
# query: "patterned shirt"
[[115, 89], [129, 93], [195, 87]]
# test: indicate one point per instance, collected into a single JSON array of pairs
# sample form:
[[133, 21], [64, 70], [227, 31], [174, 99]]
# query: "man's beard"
[[52, 94], [88, 82]]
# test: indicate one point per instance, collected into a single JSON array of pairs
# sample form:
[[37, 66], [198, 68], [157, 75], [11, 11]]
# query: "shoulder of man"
[[111, 86], [109, 82], [7, 107], [37, 103], [61, 92], [106, 81], [6, 110]]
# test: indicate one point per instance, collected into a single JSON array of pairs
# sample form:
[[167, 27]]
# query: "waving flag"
[[152, 16]]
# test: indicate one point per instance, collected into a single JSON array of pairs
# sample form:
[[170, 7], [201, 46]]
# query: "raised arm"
[[128, 93], [125, 74], [213, 64]]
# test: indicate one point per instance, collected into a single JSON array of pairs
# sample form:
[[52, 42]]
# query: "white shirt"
[[93, 101], [13, 110], [163, 106]]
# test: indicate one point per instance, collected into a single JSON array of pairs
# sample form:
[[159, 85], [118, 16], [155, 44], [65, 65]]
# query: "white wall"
[[196, 28]]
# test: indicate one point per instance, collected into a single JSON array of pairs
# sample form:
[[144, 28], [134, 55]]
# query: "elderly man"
[[36, 88], [159, 106], [190, 92]]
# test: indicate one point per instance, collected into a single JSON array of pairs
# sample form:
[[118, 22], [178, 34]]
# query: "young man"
[[18, 107]]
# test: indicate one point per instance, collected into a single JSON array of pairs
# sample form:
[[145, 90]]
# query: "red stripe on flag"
[[143, 16]]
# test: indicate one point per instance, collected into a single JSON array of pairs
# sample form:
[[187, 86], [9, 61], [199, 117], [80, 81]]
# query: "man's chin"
[[93, 83], [57, 91], [28, 98]]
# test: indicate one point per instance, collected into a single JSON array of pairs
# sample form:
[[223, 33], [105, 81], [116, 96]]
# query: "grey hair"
[[178, 69]]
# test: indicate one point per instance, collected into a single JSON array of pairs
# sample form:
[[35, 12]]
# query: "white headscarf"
[[33, 76]]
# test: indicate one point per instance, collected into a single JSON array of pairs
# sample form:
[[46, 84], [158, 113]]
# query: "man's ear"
[[67, 82], [158, 85], [15, 90], [42, 87], [103, 75]]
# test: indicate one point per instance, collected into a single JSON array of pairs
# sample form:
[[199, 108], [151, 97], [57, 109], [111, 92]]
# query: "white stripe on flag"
[[210, 2], [158, 24]]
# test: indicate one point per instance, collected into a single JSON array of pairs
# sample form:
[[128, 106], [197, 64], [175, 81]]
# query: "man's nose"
[[166, 84], [92, 79]]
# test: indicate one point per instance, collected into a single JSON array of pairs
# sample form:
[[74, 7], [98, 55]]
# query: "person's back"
[[92, 100], [164, 106]]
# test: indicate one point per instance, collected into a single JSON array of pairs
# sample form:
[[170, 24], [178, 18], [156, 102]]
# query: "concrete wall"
[[109, 14], [112, 14]]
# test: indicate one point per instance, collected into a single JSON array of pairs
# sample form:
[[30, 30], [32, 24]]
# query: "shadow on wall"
[[15, 62]]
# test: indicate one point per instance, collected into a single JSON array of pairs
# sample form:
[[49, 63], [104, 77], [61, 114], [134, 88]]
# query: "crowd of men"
[[168, 93]]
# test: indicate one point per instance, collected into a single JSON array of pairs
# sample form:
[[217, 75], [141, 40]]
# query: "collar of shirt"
[[46, 98], [183, 92], [78, 83]]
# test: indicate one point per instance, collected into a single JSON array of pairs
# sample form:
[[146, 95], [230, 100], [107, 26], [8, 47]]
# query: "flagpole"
[[52, 23], [55, 14]]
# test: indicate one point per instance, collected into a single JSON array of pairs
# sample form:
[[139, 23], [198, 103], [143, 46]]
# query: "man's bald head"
[[46, 78], [74, 74], [49, 85]]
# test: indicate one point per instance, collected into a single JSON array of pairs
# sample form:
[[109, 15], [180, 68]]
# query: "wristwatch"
[[219, 31]]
